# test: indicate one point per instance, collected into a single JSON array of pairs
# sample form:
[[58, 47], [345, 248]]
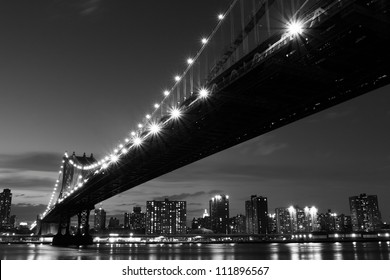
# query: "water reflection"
[[228, 251]]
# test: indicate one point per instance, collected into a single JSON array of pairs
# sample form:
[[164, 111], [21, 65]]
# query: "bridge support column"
[[82, 236], [63, 237]]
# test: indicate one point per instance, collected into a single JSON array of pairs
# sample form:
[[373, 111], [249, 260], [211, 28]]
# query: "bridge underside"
[[346, 55]]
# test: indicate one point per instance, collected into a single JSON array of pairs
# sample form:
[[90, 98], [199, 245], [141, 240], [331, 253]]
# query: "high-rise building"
[[137, 220], [100, 219], [303, 219], [5, 208], [271, 223], [166, 217], [256, 212], [113, 223], [219, 213], [238, 224], [126, 220], [283, 221], [365, 212]]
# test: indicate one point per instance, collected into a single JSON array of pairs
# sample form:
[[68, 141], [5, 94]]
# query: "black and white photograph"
[[183, 130]]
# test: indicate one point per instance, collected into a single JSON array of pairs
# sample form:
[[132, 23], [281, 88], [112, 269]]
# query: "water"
[[258, 251]]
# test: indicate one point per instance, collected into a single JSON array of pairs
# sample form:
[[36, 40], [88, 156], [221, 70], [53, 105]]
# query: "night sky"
[[78, 75]]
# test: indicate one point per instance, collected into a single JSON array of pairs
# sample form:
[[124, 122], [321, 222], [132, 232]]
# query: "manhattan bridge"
[[267, 63]]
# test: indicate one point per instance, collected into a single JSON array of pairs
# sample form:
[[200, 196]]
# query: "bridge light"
[[140, 125], [156, 105], [175, 113], [203, 93], [137, 141], [114, 158], [154, 128], [190, 61], [177, 78], [204, 41], [124, 151], [132, 133], [148, 116], [221, 16], [166, 92], [295, 28]]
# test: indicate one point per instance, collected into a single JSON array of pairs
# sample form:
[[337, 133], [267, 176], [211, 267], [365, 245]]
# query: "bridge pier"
[[82, 237]]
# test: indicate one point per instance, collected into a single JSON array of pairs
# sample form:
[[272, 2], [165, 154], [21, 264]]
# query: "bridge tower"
[[73, 175]]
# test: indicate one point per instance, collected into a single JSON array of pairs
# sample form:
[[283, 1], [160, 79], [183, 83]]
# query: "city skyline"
[[54, 98]]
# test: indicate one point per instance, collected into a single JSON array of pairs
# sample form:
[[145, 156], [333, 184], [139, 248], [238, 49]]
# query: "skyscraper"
[[100, 219], [166, 217], [5, 208], [365, 212], [256, 212], [137, 220], [283, 221], [219, 213]]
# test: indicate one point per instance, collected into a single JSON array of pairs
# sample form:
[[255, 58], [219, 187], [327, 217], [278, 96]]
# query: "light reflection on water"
[[228, 251]]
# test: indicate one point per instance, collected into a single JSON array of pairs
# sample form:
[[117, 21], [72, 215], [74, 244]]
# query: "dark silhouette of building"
[[203, 222], [219, 213], [166, 217], [113, 223], [365, 212], [256, 211], [126, 220], [238, 224], [100, 219], [283, 221], [137, 220], [5, 208]]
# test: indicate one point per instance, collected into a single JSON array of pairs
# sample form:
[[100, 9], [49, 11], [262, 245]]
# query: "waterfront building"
[[100, 219], [271, 223], [238, 224], [219, 213], [303, 219], [283, 221], [126, 220], [113, 223], [256, 212], [5, 208], [365, 212], [137, 220], [166, 217], [310, 223]]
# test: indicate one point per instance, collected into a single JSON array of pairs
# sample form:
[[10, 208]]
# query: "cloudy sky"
[[77, 75]]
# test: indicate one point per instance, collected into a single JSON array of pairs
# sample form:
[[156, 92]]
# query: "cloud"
[[27, 211], [181, 196], [35, 161]]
